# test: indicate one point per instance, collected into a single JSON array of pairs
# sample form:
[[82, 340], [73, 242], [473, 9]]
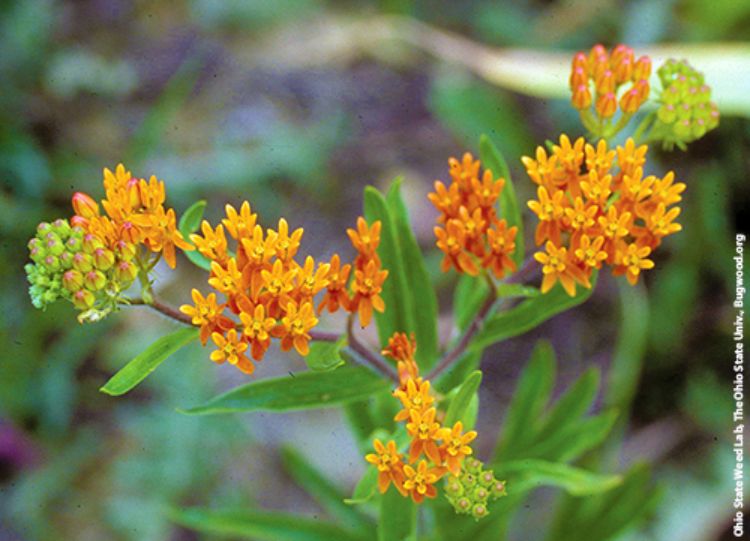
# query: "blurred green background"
[[276, 102]]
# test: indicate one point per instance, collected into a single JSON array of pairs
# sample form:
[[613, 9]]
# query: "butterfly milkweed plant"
[[411, 402]]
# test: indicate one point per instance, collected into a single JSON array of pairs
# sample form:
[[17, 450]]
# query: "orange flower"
[[631, 259], [213, 243], [402, 349], [549, 210], [452, 241], [286, 245], [311, 280], [206, 314], [419, 483], [232, 350], [226, 280], [390, 466], [368, 283], [502, 244], [257, 328], [425, 431], [294, 327], [366, 239], [557, 266], [456, 446], [414, 397], [590, 252], [239, 225], [336, 295]]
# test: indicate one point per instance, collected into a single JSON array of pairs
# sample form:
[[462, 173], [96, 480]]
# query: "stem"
[[172, 313], [473, 328], [367, 355], [163, 309], [643, 126]]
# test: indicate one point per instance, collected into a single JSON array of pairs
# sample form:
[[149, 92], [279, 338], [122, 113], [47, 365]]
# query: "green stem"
[[643, 126]]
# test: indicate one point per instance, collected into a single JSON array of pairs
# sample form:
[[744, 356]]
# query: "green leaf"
[[531, 395], [529, 314], [571, 441], [460, 404], [468, 296], [325, 356], [424, 300], [509, 291], [190, 221], [261, 525], [609, 515], [398, 517], [304, 390], [494, 161], [572, 404], [365, 489], [398, 316], [323, 491], [524, 475], [146, 362]]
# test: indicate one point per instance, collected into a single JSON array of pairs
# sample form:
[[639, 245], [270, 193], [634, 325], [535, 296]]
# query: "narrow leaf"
[[260, 525], [529, 399], [398, 316], [523, 475], [461, 402], [398, 518], [572, 404], [323, 491], [190, 221], [572, 440], [366, 487], [468, 296], [494, 160], [304, 390], [424, 300], [146, 362], [529, 314], [510, 291]]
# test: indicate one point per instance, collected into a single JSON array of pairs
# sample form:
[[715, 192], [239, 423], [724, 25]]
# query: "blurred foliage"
[[170, 87]]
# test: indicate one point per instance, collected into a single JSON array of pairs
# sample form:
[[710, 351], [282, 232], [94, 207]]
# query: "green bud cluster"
[[73, 265], [686, 112], [472, 490]]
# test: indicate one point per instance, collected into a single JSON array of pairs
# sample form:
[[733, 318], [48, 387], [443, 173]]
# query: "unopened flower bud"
[[95, 280], [125, 250], [667, 113], [605, 83], [125, 271], [606, 105], [51, 263], [487, 478], [498, 489], [72, 280], [82, 262], [61, 227], [479, 511], [83, 299], [129, 232], [581, 97], [630, 101], [642, 68], [481, 494], [91, 242], [74, 244], [463, 505], [103, 259], [85, 206]]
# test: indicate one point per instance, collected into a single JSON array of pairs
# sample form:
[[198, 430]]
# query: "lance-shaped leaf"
[[190, 221], [523, 475], [365, 489], [146, 362], [398, 517], [399, 312], [261, 525], [459, 408], [305, 390], [494, 161], [529, 314], [424, 300]]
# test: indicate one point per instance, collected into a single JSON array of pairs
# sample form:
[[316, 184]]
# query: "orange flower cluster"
[[267, 293], [472, 235], [443, 448], [609, 73], [135, 215], [595, 206]]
